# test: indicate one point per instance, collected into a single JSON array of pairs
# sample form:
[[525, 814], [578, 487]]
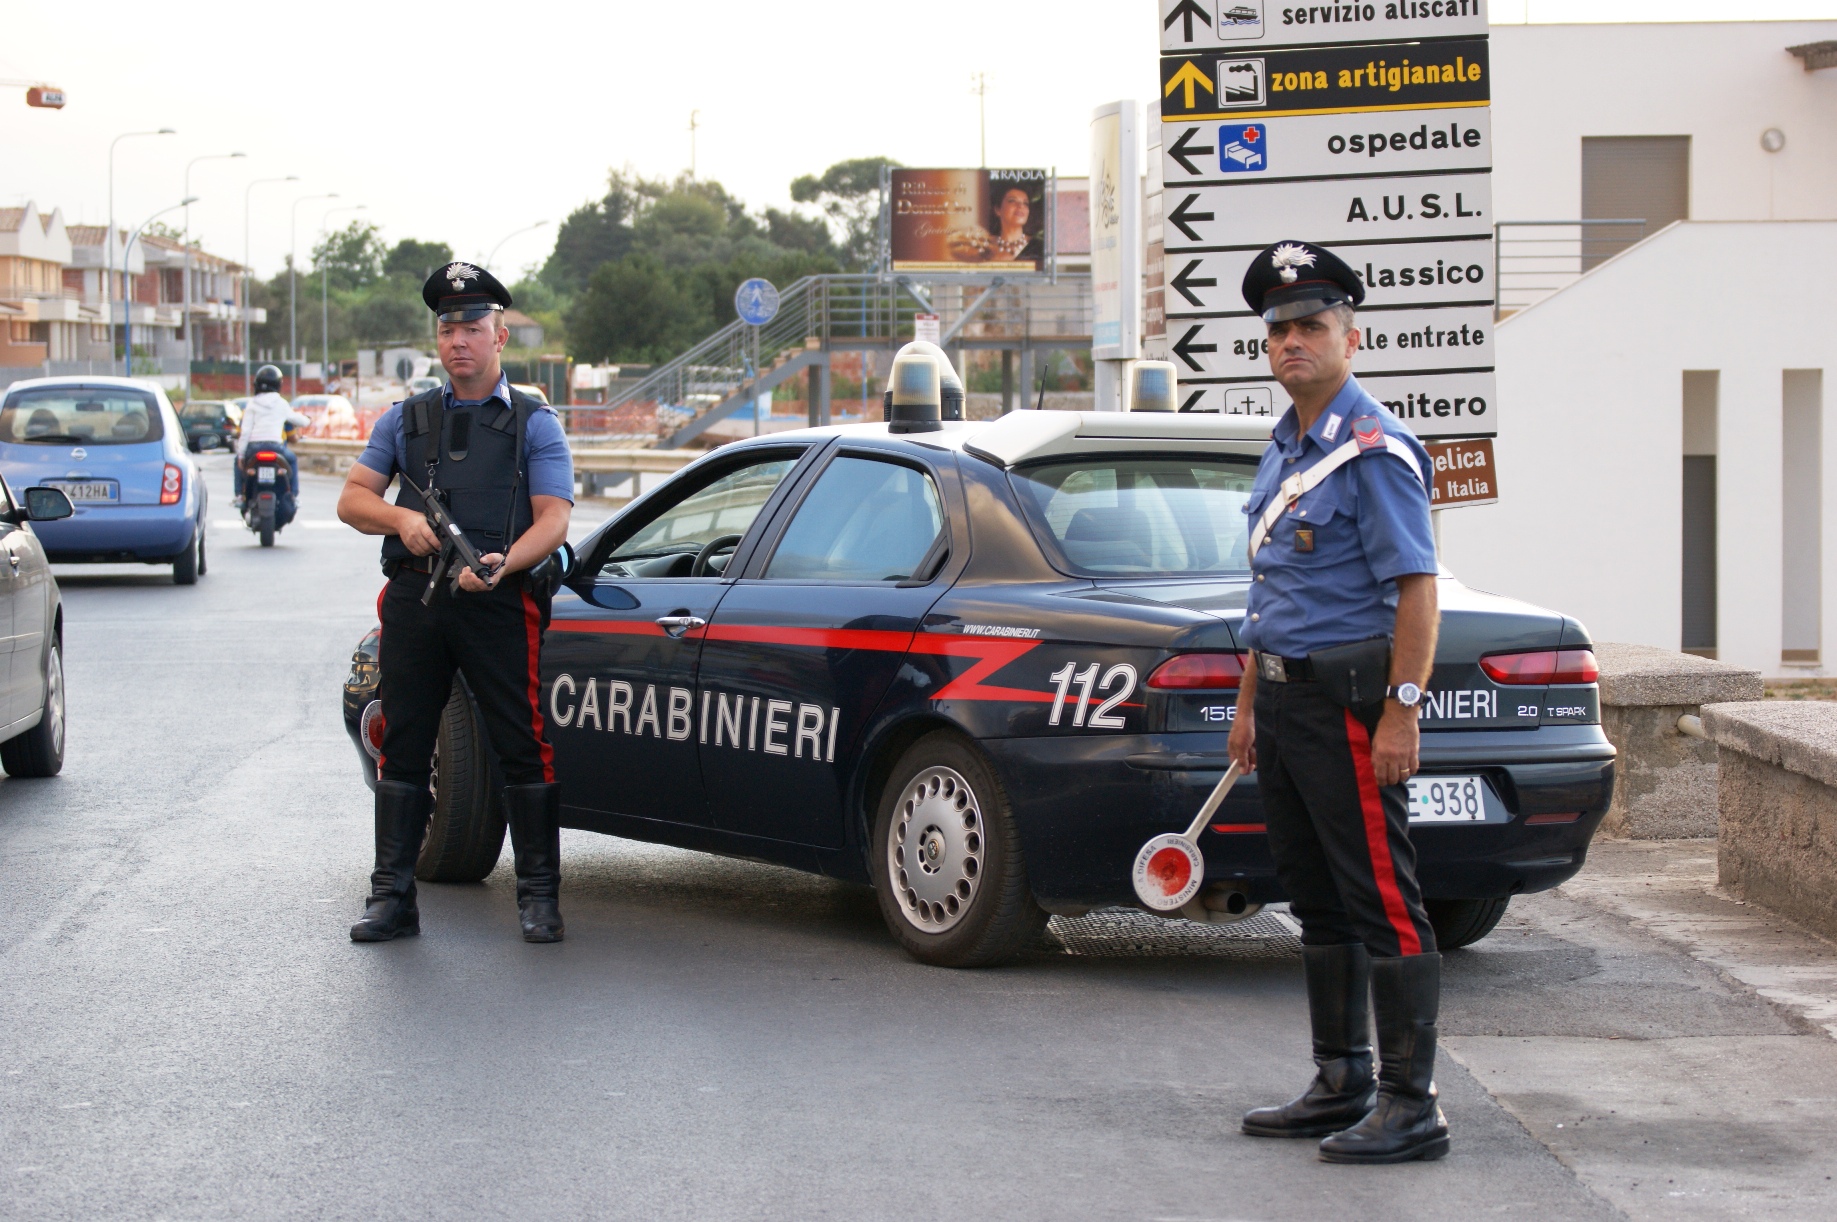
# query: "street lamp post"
[[293, 283], [248, 367], [186, 316], [325, 312], [513, 234], [108, 244], [127, 251]]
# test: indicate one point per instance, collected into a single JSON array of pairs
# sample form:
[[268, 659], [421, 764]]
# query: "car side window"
[[864, 520], [723, 509]]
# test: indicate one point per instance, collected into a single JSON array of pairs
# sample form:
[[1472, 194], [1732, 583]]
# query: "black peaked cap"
[[459, 292], [1295, 279]]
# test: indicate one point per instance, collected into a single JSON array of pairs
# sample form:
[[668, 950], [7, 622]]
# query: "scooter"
[[267, 503]]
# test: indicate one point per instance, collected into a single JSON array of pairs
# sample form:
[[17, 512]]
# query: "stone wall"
[[1778, 806], [1665, 780]]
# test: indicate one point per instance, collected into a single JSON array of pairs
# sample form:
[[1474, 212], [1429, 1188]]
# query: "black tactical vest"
[[475, 455]]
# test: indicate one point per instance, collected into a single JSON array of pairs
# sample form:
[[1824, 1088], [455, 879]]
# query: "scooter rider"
[[264, 423]]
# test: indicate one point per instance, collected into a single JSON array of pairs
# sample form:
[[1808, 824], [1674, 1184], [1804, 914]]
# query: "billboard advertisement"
[[969, 220]]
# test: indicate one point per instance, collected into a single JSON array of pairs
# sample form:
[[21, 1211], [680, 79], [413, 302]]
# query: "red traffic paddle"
[[1170, 868]]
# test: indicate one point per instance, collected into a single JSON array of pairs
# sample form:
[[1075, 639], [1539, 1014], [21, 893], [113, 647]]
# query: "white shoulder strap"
[[1301, 483]]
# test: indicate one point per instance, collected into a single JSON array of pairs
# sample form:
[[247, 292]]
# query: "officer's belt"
[[1301, 483], [1278, 669], [414, 564]]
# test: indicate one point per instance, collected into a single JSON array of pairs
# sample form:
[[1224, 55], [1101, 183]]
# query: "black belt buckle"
[[1271, 667]]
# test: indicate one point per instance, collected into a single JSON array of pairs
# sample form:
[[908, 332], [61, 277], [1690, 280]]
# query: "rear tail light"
[[1565, 817], [171, 485], [1199, 670], [267, 456], [1542, 666]]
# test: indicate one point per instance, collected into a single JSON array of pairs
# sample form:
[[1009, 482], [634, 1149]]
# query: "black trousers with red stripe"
[[495, 640], [1340, 840]]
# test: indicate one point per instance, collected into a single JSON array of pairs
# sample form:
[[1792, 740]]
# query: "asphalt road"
[[187, 1032]]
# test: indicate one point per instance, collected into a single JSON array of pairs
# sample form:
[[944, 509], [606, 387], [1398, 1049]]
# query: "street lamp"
[[507, 237], [127, 253], [293, 283], [187, 245], [248, 368], [325, 313], [108, 245]]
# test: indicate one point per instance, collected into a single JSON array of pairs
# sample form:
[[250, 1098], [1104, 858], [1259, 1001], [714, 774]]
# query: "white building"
[[1664, 456]]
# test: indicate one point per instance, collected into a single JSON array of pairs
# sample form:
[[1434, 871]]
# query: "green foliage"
[[351, 257], [848, 192], [416, 260]]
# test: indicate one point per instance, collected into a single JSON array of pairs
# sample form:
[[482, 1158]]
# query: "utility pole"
[[248, 366], [185, 316], [108, 246], [325, 309], [692, 126], [981, 90]]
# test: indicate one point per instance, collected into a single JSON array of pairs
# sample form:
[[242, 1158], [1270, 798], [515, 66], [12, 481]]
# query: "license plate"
[[264, 475], [95, 490], [1447, 799]]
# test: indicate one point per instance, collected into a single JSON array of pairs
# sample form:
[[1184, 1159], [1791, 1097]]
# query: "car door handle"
[[676, 625]]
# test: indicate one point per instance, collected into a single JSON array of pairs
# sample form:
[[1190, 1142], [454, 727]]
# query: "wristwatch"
[[1406, 694]]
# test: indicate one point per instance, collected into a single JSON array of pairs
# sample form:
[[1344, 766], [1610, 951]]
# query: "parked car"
[[330, 415], [533, 391], [978, 668], [115, 447], [32, 701], [417, 385], [211, 424]]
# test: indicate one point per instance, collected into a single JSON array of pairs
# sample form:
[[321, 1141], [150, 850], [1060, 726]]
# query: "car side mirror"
[[568, 559], [47, 504]]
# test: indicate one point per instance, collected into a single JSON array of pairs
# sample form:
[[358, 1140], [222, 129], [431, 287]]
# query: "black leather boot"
[[1339, 1007], [401, 822], [1407, 1122], [535, 839]]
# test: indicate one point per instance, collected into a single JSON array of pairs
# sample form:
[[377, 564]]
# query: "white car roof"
[[1025, 436]]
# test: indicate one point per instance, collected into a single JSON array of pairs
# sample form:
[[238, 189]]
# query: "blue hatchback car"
[[115, 447]]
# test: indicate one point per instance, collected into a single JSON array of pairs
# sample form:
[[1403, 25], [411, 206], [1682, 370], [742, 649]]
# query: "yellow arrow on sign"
[[1189, 75]]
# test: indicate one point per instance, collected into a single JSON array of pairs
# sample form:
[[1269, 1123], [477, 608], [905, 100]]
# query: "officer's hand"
[[416, 535], [1394, 746], [470, 582], [1242, 744]]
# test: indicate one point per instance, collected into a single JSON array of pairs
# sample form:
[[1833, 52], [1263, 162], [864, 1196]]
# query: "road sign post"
[[1365, 129]]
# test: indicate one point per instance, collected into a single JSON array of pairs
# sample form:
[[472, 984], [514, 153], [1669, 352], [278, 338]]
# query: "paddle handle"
[[1213, 802]]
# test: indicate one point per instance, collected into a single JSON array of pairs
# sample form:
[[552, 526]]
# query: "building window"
[[1631, 178], [1701, 389], [1801, 508]]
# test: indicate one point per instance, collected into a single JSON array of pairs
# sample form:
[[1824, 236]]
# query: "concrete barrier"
[[1777, 846], [599, 472], [1666, 782]]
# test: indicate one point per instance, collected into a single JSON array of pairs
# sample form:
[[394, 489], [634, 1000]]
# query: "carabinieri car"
[[977, 668]]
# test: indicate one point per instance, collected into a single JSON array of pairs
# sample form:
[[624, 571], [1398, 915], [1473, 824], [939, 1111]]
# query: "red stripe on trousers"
[[1377, 839], [379, 675], [532, 632]]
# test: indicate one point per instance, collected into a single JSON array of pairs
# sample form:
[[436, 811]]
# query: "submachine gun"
[[456, 552]]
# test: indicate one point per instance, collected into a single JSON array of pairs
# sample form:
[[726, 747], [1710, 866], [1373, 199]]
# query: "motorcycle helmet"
[[267, 378]]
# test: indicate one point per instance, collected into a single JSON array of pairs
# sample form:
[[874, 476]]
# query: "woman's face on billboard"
[[1014, 210]]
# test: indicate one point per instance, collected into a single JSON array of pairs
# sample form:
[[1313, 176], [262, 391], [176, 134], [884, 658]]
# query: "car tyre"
[[190, 562], [947, 863], [40, 750], [203, 565], [1459, 923], [466, 834]]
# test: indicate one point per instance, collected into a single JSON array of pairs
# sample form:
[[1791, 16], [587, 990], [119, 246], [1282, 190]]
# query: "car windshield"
[[80, 415], [723, 509], [1141, 517], [207, 412]]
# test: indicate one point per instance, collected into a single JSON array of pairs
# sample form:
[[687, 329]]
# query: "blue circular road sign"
[[756, 301]]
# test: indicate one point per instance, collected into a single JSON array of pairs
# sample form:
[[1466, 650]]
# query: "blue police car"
[[976, 668]]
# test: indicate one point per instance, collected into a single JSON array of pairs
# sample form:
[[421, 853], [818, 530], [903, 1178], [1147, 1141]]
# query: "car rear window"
[[76, 415], [1140, 517]]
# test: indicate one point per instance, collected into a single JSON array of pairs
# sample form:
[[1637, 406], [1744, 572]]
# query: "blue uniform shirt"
[[545, 446], [1370, 523]]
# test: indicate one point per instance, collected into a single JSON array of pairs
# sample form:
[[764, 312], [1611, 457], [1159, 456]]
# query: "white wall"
[[1722, 84], [1590, 464]]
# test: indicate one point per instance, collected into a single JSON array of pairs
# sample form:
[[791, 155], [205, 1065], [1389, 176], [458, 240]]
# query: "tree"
[[416, 260], [351, 257], [594, 234], [848, 192], [634, 310]]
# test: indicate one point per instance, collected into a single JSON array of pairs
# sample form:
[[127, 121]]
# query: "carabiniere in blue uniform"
[[1338, 514]]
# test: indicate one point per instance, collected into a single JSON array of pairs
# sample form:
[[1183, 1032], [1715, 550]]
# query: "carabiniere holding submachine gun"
[[453, 545]]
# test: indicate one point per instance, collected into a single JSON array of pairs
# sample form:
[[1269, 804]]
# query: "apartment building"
[[42, 317]]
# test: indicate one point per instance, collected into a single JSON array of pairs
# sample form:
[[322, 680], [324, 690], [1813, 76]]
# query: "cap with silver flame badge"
[[461, 292], [1295, 279]]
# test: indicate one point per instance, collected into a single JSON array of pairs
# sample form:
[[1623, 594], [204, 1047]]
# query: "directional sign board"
[[1361, 127], [1195, 25], [756, 301]]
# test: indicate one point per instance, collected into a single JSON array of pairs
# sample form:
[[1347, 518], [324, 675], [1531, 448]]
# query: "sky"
[[465, 122]]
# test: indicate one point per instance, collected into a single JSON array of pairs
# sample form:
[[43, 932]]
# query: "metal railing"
[[1542, 257], [822, 314]]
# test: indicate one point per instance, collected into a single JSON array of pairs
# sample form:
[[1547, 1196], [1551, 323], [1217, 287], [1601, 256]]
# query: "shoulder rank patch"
[[1369, 433]]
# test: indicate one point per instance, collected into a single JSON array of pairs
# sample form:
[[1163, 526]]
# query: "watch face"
[[1408, 694]]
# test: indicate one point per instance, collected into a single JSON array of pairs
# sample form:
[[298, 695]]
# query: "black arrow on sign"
[[1191, 399], [1180, 218], [1184, 348], [1188, 9], [1186, 282], [1184, 150]]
